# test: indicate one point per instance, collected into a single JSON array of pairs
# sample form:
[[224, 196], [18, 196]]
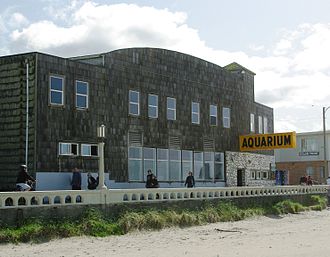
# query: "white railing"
[[88, 197]]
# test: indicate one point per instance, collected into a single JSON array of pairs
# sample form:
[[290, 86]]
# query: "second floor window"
[[153, 106], [226, 117], [195, 113], [56, 90], [260, 124], [134, 102], [213, 115], [171, 108], [68, 149], [89, 150], [81, 95], [265, 125], [252, 124]]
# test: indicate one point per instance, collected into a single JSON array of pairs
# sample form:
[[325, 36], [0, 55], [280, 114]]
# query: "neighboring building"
[[306, 159], [163, 110]]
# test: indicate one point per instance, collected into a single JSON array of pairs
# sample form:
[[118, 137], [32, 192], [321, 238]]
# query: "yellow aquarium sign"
[[267, 141]]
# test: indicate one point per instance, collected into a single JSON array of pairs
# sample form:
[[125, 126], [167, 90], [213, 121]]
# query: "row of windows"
[[56, 92], [173, 165], [262, 124], [134, 109], [75, 149]]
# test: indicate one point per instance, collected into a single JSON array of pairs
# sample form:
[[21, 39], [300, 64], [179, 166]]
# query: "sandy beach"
[[305, 234]]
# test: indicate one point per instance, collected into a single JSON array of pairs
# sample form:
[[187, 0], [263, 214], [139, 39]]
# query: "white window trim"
[[90, 148], [134, 103], [153, 106], [252, 123], [197, 113], [54, 90], [265, 124], [225, 118], [70, 149], [171, 109], [85, 95], [216, 115], [260, 126]]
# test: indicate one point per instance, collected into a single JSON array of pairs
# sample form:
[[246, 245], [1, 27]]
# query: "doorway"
[[240, 177]]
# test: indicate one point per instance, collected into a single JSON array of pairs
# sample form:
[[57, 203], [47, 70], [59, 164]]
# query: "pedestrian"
[[154, 181], [76, 179], [92, 182], [24, 180], [190, 180], [149, 179], [309, 181]]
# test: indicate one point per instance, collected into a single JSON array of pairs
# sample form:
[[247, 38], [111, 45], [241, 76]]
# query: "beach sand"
[[305, 234]]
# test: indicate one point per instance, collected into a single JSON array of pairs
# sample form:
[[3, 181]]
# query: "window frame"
[[193, 113], [215, 107], [90, 150], [62, 78], [226, 118], [169, 109], [252, 123], [265, 124], [152, 106], [82, 95], [260, 125], [133, 103], [70, 153]]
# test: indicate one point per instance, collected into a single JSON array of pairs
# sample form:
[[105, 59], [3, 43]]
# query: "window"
[[260, 124], [226, 117], [253, 174], [56, 90], [171, 108], [265, 125], [310, 171], [309, 145], [175, 165], [89, 150], [195, 113], [322, 172], [162, 164], [153, 106], [252, 125], [134, 103], [149, 161], [68, 149], [135, 164], [208, 165], [219, 167], [81, 94], [213, 115], [198, 165], [187, 162], [265, 175]]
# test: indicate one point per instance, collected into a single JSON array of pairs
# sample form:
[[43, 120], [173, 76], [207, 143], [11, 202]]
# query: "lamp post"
[[325, 141], [101, 136]]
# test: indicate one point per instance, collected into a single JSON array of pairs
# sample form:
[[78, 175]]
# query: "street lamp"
[[101, 136], [325, 141]]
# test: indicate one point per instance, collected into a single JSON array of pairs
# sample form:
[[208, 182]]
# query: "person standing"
[[149, 179], [23, 179], [76, 179], [190, 180]]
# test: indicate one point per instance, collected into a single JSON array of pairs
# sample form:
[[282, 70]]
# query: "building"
[[306, 159], [163, 110]]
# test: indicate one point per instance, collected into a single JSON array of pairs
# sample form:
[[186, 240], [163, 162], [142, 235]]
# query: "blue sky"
[[286, 43]]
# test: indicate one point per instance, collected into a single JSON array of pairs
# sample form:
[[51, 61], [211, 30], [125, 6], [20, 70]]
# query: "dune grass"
[[94, 223]]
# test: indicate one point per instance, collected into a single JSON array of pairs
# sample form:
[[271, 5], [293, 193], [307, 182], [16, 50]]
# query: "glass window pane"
[[208, 170], [135, 170], [94, 150], [162, 170], [81, 87], [186, 167], [162, 154], [186, 155], [198, 156], [198, 166], [134, 96], [219, 157], [135, 152], [195, 107], [153, 100], [209, 156], [133, 109], [213, 120], [81, 101], [85, 150], [213, 110], [175, 171], [171, 103], [56, 97], [175, 155], [219, 171], [56, 83], [152, 111], [149, 153], [65, 148]]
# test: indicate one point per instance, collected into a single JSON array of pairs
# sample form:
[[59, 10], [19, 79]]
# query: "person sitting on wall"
[[309, 181], [303, 180], [149, 179], [190, 180], [76, 179], [92, 182], [24, 179], [154, 182]]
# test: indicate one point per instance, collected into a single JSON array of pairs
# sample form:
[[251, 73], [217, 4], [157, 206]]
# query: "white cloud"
[[18, 20], [293, 75]]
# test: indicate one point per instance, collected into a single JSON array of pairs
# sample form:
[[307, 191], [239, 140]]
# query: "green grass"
[[94, 223]]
